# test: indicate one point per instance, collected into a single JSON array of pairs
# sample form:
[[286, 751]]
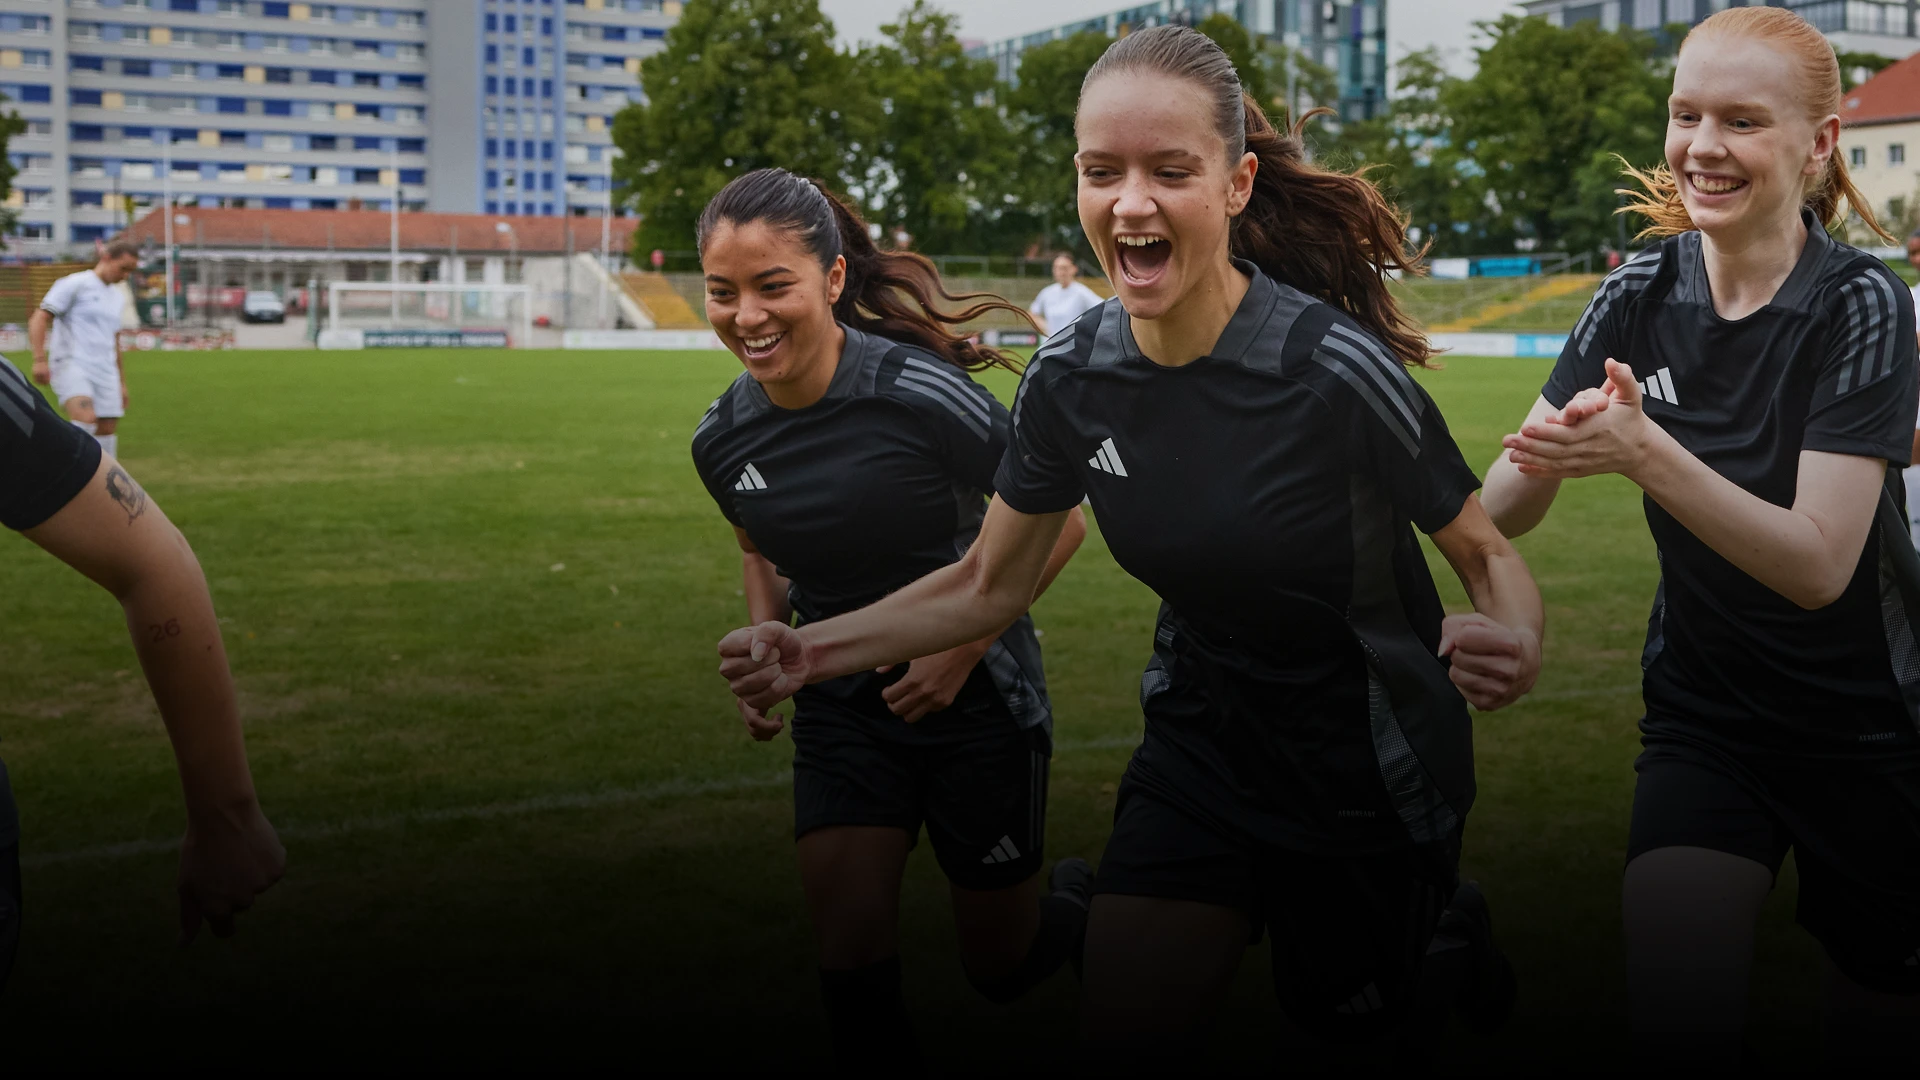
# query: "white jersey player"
[[76, 343], [1063, 301]]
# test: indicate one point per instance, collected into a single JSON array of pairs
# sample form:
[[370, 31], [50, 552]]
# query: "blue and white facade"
[[466, 106], [1890, 28]]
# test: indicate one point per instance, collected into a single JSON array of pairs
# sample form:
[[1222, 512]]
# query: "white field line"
[[514, 808]]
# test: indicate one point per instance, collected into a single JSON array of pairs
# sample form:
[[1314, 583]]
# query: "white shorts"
[[99, 380]]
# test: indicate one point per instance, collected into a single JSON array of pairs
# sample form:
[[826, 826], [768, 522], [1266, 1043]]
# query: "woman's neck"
[[816, 374], [1195, 322], [1746, 270]]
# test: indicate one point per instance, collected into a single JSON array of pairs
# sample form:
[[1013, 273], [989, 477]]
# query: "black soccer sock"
[[867, 1019], [1061, 935]]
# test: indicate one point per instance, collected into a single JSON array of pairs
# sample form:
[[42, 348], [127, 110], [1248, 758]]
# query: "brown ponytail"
[[888, 293], [1658, 198], [1331, 235]]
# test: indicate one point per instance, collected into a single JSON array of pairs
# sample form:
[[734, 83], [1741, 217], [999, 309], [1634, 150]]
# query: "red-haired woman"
[[1756, 379]]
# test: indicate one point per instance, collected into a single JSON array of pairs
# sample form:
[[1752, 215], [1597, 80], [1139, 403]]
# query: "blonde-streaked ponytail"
[[1658, 196]]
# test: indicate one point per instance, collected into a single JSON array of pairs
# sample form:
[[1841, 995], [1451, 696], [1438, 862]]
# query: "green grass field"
[[471, 600]]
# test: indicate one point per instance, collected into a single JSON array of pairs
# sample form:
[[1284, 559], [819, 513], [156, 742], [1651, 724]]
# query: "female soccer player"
[[1242, 418], [851, 457], [62, 493], [1755, 378]]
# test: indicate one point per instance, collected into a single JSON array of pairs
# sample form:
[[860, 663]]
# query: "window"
[[412, 82], [1897, 208], [493, 84], [233, 138], [493, 147], [88, 133], [134, 33], [406, 116], [188, 6], [366, 17], [230, 72], [232, 8], [135, 102], [493, 181], [136, 67], [322, 142], [410, 20], [88, 63], [493, 54], [366, 176], [366, 112], [413, 146], [1857, 157], [282, 76], [273, 9], [413, 176], [277, 108], [492, 23], [511, 24], [273, 43], [366, 79], [326, 174], [408, 52], [84, 97], [279, 144], [1897, 154], [232, 105], [320, 75], [366, 142], [83, 31]]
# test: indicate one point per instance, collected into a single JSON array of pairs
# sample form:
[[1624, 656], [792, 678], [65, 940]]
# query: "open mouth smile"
[[1710, 185], [1143, 258], [759, 348]]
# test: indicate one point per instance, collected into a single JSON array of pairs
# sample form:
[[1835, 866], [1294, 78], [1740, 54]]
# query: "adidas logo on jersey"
[[751, 480], [1660, 387], [1107, 459], [1365, 1001], [1004, 851]]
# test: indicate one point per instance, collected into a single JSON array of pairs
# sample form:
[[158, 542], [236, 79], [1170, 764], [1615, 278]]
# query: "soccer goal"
[[431, 313]]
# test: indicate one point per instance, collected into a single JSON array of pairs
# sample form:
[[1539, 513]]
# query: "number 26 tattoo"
[[163, 631], [122, 489]]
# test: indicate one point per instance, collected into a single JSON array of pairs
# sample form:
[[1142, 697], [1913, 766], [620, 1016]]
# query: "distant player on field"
[[62, 493], [1913, 474], [1065, 300], [1756, 379], [80, 358]]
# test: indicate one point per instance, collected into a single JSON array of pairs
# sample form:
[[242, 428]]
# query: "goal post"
[[429, 313]]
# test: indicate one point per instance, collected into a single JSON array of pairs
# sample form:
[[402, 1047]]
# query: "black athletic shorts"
[[1349, 933], [1854, 831], [982, 799]]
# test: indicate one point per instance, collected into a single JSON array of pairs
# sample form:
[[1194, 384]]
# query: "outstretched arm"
[[957, 604], [114, 534], [1515, 500], [1806, 552], [1496, 651]]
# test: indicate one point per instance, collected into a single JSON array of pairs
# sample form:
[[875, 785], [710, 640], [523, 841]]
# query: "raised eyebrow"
[[771, 272]]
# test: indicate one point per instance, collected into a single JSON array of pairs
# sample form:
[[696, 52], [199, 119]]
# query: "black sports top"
[[1827, 365], [1267, 492], [879, 483]]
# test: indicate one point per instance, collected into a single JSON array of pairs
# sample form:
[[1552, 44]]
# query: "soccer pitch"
[[471, 600]]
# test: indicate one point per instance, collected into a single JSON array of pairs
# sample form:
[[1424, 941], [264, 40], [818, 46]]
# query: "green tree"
[[741, 85], [1858, 67], [11, 124], [937, 146], [1041, 105], [1247, 54], [1541, 119]]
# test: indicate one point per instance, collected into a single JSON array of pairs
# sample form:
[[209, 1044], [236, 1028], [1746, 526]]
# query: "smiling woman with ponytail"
[[1242, 418], [852, 456], [1756, 379]]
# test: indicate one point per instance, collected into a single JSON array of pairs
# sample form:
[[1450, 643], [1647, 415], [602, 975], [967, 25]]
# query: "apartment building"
[[459, 106], [1886, 27], [1348, 37]]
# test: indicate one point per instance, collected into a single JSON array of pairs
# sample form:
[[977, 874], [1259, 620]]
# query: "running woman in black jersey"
[[853, 456], [1756, 379], [59, 490], [1242, 418]]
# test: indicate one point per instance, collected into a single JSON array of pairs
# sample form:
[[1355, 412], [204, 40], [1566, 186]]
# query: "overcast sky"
[[1411, 24]]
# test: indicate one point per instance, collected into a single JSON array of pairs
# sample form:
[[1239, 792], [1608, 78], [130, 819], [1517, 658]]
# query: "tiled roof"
[[367, 231], [1890, 96]]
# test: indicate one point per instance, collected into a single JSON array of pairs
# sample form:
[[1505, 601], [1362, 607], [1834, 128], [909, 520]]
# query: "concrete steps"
[[663, 303], [1554, 287]]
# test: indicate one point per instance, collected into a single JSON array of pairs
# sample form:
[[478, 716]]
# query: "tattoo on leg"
[[127, 493]]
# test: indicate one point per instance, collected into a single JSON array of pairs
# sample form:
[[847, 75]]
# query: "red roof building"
[[1880, 143]]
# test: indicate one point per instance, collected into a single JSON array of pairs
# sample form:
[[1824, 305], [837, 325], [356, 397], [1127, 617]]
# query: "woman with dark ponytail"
[[1242, 419], [853, 456]]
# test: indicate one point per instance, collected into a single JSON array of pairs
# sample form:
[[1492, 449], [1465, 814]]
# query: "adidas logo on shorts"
[[1004, 851], [1365, 1001]]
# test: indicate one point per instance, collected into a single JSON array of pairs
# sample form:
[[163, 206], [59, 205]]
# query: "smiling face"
[[1157, 193], [1740, 142], [770, 302]]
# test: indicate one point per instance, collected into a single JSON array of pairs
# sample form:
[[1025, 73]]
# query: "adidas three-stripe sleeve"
[[1864, 394], [1037, 475]]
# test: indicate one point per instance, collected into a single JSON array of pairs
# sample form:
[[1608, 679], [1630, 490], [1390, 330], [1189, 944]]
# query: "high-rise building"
[[1886, 27], [463, 106], [1348, 37]]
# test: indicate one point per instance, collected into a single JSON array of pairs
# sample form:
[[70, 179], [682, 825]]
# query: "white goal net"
[[431, 314]]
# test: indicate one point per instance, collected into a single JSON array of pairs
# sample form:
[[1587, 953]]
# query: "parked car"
[[263, 307]]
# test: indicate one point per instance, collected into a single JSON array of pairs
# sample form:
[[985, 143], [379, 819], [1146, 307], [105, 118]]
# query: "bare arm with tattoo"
[[115, 535]]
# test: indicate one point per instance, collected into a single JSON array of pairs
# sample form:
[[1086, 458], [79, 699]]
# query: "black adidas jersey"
[[1828, 365], [1266, 492], [44, 461], [881, 482]]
